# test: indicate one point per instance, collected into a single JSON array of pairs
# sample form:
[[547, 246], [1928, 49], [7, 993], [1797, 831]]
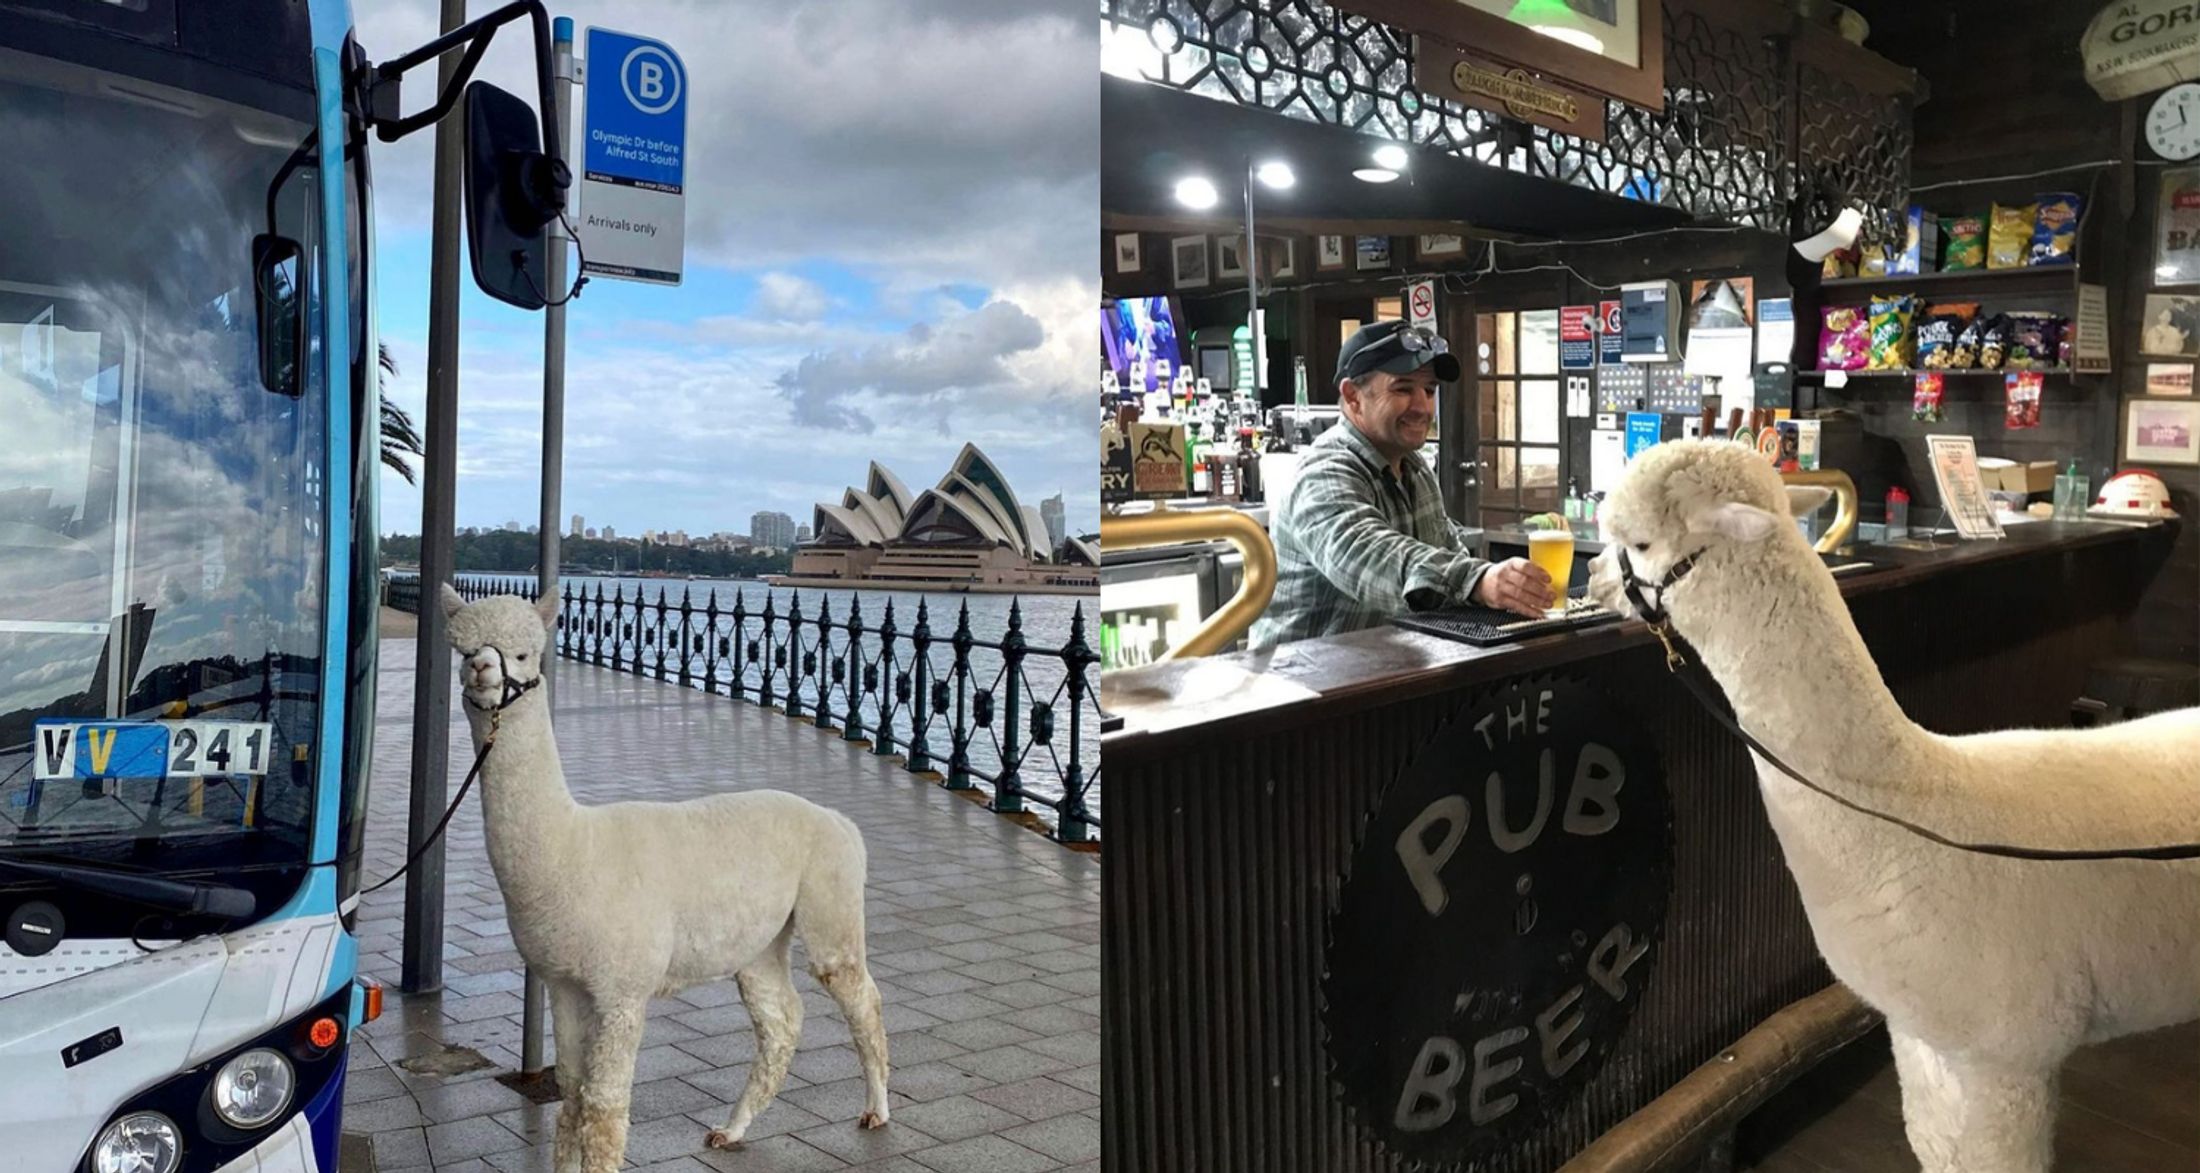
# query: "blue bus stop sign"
[[633, 159]]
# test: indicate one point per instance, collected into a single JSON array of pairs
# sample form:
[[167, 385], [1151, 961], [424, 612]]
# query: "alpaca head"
[[498, 638], [1688, 497]]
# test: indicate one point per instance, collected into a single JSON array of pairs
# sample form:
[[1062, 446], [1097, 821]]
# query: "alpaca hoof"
[[872, 1120], [719, 1138]]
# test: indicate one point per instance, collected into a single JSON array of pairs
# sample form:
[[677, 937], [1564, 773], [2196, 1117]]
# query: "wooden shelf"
[[1906, 372], [2030, 280]]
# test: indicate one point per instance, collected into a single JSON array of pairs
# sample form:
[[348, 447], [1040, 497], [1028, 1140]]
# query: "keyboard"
[[1487, 626]]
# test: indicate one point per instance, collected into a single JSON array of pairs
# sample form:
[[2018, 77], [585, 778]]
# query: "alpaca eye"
[[522, 656], [1642, 547]]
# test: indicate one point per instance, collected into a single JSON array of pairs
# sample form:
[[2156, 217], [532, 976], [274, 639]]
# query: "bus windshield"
[[162, 552]]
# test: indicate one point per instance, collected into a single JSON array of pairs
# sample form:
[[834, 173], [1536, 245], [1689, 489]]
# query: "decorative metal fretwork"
[[1854, 141], [1016, 717], [1718, 151]]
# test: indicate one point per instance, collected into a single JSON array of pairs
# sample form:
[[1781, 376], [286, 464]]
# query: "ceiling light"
[[1391, 158], [1276, 174], [1374, 175], [1196, 193]]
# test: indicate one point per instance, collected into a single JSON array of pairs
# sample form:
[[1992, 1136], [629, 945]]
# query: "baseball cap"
[[1397, 348]]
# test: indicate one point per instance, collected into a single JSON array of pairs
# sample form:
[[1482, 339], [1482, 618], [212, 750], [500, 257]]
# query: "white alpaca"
[[613, 905], [1989, 970]]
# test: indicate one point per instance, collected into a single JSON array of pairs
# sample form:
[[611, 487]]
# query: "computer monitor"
[[1141, 329]]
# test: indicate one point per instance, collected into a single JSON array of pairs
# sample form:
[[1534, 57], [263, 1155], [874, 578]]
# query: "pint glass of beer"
[[1553, 550]]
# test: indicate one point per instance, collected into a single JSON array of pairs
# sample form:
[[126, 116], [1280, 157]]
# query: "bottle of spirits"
[[1248, 462]]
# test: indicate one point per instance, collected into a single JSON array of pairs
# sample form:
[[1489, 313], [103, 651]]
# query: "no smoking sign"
[[1421, 303]]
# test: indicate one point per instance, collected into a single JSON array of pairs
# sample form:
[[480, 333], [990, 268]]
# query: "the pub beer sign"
[[1500, 921]]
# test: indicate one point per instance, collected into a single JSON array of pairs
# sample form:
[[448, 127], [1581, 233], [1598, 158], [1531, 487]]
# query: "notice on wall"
[[1643, 428], [1608, 333], [1421, 304], [1577, 337], [1775, 329], [1962, 492], [2089, 352]]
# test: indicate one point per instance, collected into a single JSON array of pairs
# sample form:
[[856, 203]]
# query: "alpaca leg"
[[607, 1086], [569, 1025], [767, 989], [836, 960], [1966, 1115]]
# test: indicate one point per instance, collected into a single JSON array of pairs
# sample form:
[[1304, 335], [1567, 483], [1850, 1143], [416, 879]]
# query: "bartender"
[[1363, 535]]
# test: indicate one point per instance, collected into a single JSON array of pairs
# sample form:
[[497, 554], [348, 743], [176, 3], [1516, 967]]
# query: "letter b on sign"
[[651, 77], [651, 81]]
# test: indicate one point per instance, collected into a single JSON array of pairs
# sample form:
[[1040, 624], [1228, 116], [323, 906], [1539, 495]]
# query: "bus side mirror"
[[279, 310], [513, 192]]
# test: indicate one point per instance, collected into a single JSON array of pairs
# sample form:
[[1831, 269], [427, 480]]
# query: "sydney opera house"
[[966, 533]]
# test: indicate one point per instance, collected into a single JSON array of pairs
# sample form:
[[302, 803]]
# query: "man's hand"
[[1516, 585]]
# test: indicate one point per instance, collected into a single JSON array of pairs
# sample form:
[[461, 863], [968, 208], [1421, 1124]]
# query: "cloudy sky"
[[891, 210]]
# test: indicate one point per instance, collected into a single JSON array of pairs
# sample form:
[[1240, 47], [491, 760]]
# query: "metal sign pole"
[[431, 734], [553, 475]]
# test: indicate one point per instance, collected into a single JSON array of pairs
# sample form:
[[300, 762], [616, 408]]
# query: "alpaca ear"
[[1804, 500], [1735, 521], [453, 602], [547, 607]]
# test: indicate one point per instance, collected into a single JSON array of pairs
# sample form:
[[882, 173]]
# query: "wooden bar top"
[[1179, 702]]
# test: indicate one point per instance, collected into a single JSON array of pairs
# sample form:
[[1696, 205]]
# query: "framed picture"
[[1229, 256], [2171, 326], [2177, 229], [1374, 252], [1189, 254], [1439, 247], [1613, 47], [1283, 258], [1126, 252], [2162, 431], [2169, 378], [1329, 252]]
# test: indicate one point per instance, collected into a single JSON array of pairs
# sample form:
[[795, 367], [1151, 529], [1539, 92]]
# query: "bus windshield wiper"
[[184, 896]]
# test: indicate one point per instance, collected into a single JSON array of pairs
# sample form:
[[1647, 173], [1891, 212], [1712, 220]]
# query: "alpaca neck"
[[1772, 628], [524, 801]]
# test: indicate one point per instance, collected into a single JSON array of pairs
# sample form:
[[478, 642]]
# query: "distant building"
[[1057, 521], [591, 531], [513, 527], [968, 532], [801, 535], [580, 526], [609, 534], [775, 530]]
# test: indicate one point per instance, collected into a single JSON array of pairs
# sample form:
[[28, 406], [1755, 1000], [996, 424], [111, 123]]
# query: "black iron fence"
[[1017, 718]]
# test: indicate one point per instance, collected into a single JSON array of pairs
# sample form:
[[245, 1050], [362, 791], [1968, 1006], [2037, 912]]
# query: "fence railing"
[[1015, 717]]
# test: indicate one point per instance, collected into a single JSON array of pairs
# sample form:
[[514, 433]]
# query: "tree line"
[[509, 552]]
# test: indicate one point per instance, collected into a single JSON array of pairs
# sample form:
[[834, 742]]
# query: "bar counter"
[[1255, 933]]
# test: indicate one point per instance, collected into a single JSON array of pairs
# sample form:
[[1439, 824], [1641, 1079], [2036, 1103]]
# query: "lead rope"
[[1661, 625]]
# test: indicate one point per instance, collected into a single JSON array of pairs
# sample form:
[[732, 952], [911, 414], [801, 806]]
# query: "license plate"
[[89, 750]]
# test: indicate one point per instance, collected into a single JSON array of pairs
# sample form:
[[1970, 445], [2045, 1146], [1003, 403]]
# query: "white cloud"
[[788, 298]]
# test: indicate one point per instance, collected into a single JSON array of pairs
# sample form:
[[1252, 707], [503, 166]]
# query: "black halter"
[[513, 690], [1656, 615]]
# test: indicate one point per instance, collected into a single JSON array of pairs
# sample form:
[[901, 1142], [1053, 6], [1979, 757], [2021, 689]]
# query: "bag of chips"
[[1993, 342], [1966, 244], [1937, 331], [1893, 339], [1927, 400], [2055, 229], [2009, 235], [1964, 355], [2035, 340], [1841, 262], [2022, 392], [1844, 339]]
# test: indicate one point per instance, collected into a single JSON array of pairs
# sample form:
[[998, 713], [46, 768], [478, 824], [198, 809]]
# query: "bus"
[[188, 585]]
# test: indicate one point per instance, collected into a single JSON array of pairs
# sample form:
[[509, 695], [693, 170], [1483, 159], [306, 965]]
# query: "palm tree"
[[399, 437]]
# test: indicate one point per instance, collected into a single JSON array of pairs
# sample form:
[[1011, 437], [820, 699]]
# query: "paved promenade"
[[984, 941]]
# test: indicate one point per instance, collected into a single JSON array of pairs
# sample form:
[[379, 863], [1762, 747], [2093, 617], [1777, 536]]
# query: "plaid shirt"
[[1355, 546]]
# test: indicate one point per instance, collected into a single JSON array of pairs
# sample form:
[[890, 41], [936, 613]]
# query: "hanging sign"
[[1608, 333], [633, 221], [1577, 337], [2135, 47], [1501, 920], [1421, 303], [1440, 68]]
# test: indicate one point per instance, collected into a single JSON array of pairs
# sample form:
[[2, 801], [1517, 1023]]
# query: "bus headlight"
[[253, 1089], [141, 1142]]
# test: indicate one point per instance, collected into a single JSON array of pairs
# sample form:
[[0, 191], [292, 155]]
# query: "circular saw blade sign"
[[1502, 917], [1421, 303]]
